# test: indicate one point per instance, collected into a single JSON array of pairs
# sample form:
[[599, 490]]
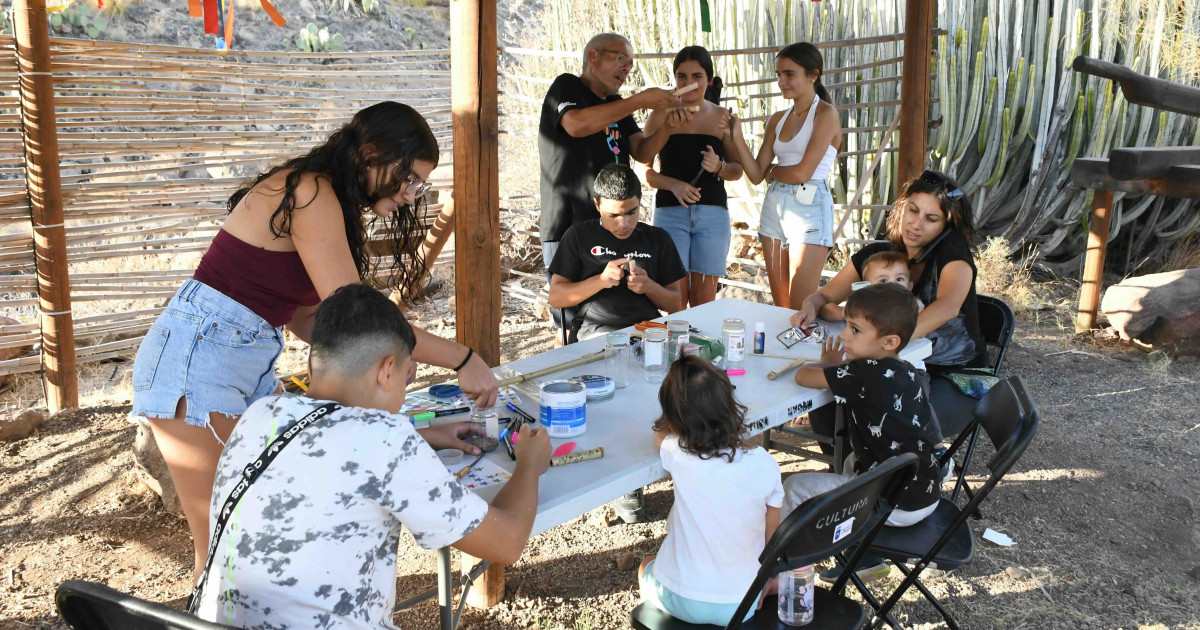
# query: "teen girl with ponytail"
[[796, 227]]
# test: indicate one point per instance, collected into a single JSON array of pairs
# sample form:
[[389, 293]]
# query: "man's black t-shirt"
[[587, 248], [958, 342], [889, 414], [570, 165]]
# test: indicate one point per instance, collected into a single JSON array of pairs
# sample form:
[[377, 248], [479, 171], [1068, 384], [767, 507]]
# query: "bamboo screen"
[[152, 141]]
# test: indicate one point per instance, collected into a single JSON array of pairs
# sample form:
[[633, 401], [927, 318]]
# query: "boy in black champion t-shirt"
[[618, 270], [886, 400]]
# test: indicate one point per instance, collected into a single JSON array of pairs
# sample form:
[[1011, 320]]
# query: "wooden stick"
[[583, 360], [581, 456], [685, 89], [776, 373], [776, 356]]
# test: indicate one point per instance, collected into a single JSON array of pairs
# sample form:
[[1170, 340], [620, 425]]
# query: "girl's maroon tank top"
[[272, 284]]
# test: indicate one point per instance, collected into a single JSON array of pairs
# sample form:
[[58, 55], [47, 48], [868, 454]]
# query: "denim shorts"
[[689, 610], [701, 235], [785, 219], [208, 349]]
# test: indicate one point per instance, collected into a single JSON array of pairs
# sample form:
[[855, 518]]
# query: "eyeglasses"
[[933, 178], [622, 58], [417, 186]]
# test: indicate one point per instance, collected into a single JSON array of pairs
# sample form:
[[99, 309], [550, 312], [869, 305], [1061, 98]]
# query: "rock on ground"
[[22, 425], [152, 470], [1160, 309]]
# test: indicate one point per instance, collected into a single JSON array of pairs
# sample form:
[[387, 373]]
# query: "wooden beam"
[[1180, 181], [1093, 264], [914, 88], [1142, 162], [1141, 89], [44, 186], [473, 60], [476, 198], [488, 589]]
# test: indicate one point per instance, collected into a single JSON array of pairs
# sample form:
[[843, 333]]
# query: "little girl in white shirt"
[[727, 498]]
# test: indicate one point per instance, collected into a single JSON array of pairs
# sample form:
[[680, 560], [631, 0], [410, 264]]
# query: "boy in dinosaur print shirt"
[[886, 400]]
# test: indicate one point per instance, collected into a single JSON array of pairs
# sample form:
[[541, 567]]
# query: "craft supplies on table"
[[581, 456], [450, 456], [563, 408], [481, 474]]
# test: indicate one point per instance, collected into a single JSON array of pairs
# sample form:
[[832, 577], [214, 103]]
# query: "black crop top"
[[680, 158]]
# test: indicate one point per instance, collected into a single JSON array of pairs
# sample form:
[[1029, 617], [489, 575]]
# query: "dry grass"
[[1185, 254], [1001, 276]]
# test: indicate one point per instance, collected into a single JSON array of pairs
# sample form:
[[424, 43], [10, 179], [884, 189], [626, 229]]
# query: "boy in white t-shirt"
[[312, 544], [727, 498]]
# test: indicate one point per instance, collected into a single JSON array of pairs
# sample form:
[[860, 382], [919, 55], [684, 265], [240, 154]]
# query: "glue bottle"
[[760, 337]]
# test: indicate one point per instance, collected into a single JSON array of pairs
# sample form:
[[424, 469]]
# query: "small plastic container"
[[656, 362], [563, 408], [796, 596], [617, 356], [599, 388], [733, 337], [760, 337], [450, 456], [861, 284], [489, 419], [678, 333]]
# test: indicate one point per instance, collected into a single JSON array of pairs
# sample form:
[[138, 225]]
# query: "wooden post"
[[46, 203], [914, 88], [488, 589], [1093, 264], [476, 200], [473, 70]]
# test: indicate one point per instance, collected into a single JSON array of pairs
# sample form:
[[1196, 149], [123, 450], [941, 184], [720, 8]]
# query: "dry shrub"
[[1185, 254], [1002, 277]]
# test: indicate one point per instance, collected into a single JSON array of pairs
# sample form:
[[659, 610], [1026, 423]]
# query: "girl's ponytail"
[[822, 93]]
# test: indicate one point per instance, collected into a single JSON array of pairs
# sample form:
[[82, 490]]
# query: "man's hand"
[[639, 281], [451, 436], [656, 98], [613, 272], [533, 448], [710, 161], [685, 193], [831, 351]]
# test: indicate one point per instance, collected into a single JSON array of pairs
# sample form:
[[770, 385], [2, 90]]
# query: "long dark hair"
[[808, 57], [950, 197], [700, 55], [388, 135], [698, 406]]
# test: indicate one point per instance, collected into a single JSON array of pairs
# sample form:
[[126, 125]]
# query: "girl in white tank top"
[[796, 224]]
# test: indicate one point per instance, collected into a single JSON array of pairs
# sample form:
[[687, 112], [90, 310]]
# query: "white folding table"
[[622, 425]]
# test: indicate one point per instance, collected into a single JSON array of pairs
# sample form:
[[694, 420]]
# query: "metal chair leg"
[[950, 621]]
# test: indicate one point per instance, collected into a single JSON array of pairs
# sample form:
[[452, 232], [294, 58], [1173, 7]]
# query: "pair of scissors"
[[445, 390]]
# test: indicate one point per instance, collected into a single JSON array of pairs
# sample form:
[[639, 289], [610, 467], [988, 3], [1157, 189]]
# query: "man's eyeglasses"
[[417, 186], [934, 178], [622, 58]]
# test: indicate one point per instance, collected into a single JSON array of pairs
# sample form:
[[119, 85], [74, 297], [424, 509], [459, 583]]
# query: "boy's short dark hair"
[[617, 181], [890, 308], [887, 258], [356, 327]]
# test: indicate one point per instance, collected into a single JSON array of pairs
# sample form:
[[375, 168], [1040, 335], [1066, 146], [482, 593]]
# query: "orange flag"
[[273, 13], [195, 8], [229, 27]]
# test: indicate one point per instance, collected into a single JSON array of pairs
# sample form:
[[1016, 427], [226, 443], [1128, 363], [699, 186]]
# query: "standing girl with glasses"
[[294, 234], [691, 204], [796, 226]]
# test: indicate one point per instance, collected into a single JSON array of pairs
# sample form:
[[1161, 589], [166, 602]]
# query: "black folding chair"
[[1009, 418], [90, 606], [996, 323], [805, 537]]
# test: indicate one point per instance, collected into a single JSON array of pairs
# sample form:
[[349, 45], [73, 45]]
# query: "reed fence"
[[152, 140]]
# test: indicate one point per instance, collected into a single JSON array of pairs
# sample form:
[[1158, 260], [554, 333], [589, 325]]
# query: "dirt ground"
[[1102, 508]]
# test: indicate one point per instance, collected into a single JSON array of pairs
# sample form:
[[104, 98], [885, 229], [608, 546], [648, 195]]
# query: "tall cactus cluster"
[[1014, 116], [1008, 115]]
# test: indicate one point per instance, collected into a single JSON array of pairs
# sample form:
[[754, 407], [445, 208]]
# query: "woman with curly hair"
[[294, 234]]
